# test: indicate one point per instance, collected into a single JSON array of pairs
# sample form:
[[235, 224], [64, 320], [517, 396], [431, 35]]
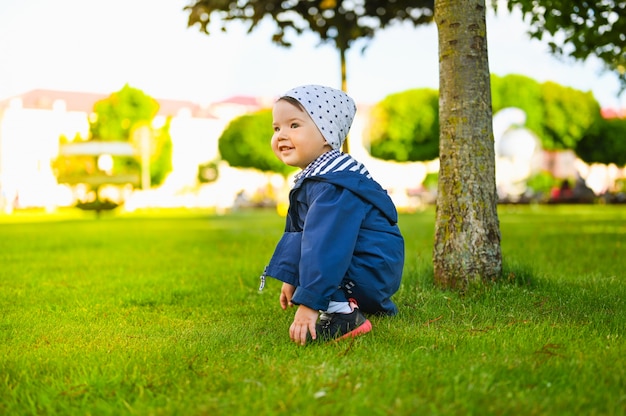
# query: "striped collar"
[[325, 157], [332, 161]]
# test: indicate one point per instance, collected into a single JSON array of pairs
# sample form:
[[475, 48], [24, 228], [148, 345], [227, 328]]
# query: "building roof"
[[84, 102], [45, 99], [244, 100], [608, 113]]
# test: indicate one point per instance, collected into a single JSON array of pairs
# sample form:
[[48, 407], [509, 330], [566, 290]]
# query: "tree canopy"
[[338, 21], [121, 117], [604, 142], [405, 126], [119, 113], [559, 115], [245, 143], [580, 29]]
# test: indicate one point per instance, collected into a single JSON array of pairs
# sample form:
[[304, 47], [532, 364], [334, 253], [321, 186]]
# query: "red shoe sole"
[[362, 329]]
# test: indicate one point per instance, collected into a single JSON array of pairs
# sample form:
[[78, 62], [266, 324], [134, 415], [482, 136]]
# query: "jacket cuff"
[[282, 274], [310, 299]]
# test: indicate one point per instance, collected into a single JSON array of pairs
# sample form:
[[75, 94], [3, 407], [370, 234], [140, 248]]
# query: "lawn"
[[158, 313]]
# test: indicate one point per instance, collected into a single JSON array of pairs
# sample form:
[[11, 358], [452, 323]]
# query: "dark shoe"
[[336, 326]]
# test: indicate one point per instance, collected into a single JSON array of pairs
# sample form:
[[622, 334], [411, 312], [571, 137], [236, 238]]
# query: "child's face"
[[296, 140]]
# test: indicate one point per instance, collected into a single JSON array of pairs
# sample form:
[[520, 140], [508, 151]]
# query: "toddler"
[[342, 253]]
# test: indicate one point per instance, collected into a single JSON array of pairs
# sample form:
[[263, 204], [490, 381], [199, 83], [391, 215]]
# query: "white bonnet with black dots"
[[331, 110]]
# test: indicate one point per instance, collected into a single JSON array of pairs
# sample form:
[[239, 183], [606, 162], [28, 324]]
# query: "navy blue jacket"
[[341, 240]]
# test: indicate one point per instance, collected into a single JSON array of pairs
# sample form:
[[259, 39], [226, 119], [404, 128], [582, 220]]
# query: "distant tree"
[[245, 143], [340, 22], [568, 114], [467, 236], [521, 92], [161, 155], [121, 115], [604, 142], [118, 114], [559, 115], [405, 126], [580, 29]]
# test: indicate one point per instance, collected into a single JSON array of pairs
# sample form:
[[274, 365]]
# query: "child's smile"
[[296, 141]]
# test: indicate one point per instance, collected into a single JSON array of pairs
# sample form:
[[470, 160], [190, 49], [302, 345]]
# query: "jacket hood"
[[343, 170]]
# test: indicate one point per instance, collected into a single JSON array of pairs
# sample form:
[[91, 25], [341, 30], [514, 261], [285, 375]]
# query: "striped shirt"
[[332, 161]]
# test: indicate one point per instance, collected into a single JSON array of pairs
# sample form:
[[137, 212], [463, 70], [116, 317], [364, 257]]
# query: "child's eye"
[[276, 129], [294, 125]]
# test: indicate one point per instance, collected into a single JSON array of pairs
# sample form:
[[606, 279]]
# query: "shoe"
[[336, 326]]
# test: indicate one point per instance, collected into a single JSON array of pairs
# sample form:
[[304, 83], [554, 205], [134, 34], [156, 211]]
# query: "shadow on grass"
[[522, 294]]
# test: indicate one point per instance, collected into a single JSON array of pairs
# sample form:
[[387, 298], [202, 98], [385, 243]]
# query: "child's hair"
[[293, 101]]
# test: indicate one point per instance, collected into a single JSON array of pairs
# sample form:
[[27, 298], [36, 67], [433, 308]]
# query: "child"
[[342, 251]]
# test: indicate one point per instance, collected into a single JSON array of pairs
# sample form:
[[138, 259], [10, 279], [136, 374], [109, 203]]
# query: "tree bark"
[[344, 87], [467, 232]]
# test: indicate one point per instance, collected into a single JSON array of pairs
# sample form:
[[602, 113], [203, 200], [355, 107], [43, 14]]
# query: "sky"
[[101, 45]]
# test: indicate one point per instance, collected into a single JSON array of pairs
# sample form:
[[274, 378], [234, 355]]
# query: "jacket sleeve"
[[329, 236], [286, 259]]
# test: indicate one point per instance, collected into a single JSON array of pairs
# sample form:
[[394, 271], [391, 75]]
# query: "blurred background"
[[121, 104]]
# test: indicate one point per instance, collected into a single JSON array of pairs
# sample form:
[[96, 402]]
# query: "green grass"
[[158, 313]]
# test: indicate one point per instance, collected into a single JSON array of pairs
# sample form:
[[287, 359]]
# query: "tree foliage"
[[245, 143], [580, 29], [340, 22], [161, 154], [405, 126], [118, 114], [122, 116], [604, 143], [568, 114], [119, 118], [560, 116], [521, 92]]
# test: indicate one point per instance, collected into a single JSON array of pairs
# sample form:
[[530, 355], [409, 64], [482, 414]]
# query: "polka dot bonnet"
[[331, 110]]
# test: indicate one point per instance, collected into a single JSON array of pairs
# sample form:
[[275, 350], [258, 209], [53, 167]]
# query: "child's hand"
[[303, 322], [286, 293]]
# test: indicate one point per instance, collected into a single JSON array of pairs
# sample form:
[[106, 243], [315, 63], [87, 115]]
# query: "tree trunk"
[[467, 234], [344, 87]]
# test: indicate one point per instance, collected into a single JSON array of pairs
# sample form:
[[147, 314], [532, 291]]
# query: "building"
[[32, 123]]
